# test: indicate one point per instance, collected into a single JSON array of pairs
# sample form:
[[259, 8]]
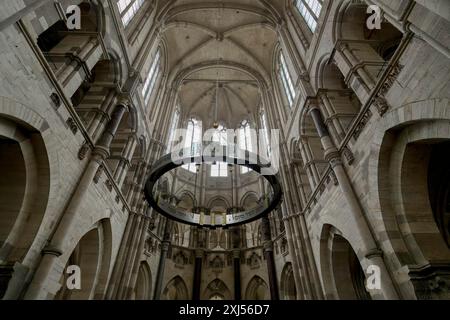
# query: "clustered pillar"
[[369, 246], [56, 244], [197, 275], [268, 255], [162, 261]]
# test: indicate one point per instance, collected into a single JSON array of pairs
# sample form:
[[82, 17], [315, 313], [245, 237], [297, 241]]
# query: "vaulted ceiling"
[[216, 49]]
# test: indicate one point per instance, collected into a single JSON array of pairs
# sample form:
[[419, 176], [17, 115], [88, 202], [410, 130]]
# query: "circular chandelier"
[[214, 219]]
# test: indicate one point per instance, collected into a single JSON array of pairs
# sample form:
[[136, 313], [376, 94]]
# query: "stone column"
[[162, 261], [134, 274], [101, 114], [338, 128], [367, 81], [268, 255], [131, 251], [64, 73], [120, 260], [237, 275], [197, 275], [50, 263], [125, 160], [370, 248]]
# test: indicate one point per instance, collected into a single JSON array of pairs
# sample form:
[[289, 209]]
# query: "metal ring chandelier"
[[166, 164]]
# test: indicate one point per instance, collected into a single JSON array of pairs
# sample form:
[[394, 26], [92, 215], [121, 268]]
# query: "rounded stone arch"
[[257, 289], [163, 48], [218, 202], [177, 76], [310, 141], [217, 290], [339, 18], [186, 200], [350, 24], [175, 289], [118, 67], [343, 277], [101, 17], [339, 103], [143, 288], [324, 75], [419, 128], [287, 284], [92, 253], [172, 11], [33, 173], [249, 200]]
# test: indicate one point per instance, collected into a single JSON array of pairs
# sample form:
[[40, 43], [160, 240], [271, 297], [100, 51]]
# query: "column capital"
[[199, 253], [374, 253]]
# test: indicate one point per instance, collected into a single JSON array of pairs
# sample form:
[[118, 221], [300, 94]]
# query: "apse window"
[[128, 9], [265, 130], [151, 78], [310, 11], [219, 169], [245, 141], [286, 79], [173, 128], [193, 141]]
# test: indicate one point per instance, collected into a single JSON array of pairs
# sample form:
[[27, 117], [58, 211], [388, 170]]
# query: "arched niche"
[[257, 289], [287, 284], [415, 204], [186, 202], [374, 47], [343, 277], [24, 191], [312, 151], [217, 290], [338, 103], [143, 288], [176, 289], [249, 201], [92, 255]]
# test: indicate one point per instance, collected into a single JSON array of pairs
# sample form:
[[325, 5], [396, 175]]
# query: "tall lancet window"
[[193, 142], [265, 132], [151, 78], [286, 79], [220, 169], [310, 11], [173, 128], [128, 9], [245, 141]]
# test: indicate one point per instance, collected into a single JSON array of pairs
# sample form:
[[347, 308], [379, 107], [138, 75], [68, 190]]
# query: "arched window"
[[151, 78], [220, 169], [220, 135], [286, 79], [193, 141], [128, 9], [173, 128], [245, 140], [310, 11], [265, 131]]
